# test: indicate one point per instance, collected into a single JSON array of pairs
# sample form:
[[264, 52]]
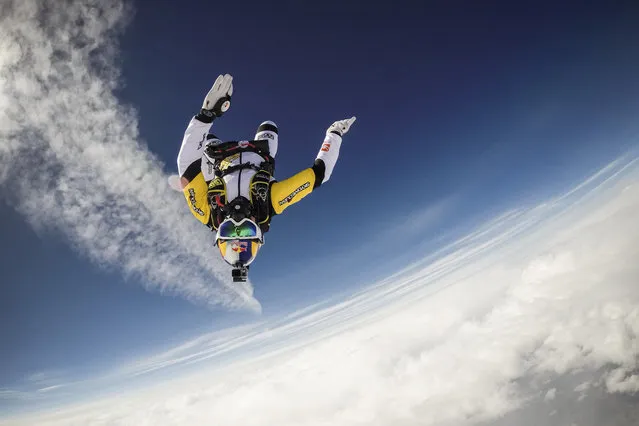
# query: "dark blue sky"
[[477, 106]]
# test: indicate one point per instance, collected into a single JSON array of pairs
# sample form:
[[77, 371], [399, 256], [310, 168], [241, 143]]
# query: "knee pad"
[[268, 130]]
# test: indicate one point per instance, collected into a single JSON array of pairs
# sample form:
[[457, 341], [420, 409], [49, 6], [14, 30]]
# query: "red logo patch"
[[239, 247]]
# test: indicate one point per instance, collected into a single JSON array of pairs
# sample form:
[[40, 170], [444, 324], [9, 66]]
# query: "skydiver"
[[229, 186]]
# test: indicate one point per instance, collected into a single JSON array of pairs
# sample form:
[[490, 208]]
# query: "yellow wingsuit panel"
[[195, 193], [291, 190]]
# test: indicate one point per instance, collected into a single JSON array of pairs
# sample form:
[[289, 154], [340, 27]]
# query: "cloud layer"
[[71, 158], [530, 314]]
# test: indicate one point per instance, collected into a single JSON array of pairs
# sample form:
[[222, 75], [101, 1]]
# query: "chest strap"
[[221, 150], [231, 169]]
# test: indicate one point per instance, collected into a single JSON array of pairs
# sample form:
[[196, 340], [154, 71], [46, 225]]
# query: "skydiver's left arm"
[[293, 189], [216, 102], [190, 169]]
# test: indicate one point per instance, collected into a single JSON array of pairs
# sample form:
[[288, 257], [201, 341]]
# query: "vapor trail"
[[71, 157]]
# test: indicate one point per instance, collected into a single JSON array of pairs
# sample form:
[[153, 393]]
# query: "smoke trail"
[[71, 159]]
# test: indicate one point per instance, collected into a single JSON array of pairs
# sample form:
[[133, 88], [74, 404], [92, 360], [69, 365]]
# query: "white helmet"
[[239, 242]]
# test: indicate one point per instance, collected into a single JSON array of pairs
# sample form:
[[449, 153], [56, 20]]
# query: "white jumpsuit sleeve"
[[329, 152], [193, 144]]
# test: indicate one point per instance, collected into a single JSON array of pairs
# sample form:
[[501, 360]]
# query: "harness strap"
[[258, 205], [231, 169], [219, 151]]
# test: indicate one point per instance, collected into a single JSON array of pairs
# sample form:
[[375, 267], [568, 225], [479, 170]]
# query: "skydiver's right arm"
[[293, 189]]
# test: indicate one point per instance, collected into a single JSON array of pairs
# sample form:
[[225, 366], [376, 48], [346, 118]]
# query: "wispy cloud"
[[71, 158], [16, 395], [526, 313], [49, 388]]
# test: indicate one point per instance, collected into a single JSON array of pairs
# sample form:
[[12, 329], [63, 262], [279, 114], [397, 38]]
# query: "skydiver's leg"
[[268, 130]]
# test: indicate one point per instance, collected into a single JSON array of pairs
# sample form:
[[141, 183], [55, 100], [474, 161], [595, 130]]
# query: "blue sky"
[[462, 111]]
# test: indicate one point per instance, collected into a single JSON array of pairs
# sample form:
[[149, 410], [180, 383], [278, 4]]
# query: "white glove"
[[218, 100], [341, 127]]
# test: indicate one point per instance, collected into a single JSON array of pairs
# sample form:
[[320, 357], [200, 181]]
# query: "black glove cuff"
[[205, 116], [217, 108]]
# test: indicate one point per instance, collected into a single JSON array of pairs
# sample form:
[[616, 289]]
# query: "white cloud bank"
[[71, 157], [490, 324]]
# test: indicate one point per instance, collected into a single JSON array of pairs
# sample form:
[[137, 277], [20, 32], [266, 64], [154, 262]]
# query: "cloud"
[[45, 377], [14, 394], [49, 388], [550, 395], [71, 158], [517, 322]]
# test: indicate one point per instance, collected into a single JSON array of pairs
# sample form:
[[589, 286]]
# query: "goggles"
[[245, 229]]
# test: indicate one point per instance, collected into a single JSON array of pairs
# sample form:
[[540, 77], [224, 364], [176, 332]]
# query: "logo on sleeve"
[[194, 202], [292, 195], [266, 135]]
